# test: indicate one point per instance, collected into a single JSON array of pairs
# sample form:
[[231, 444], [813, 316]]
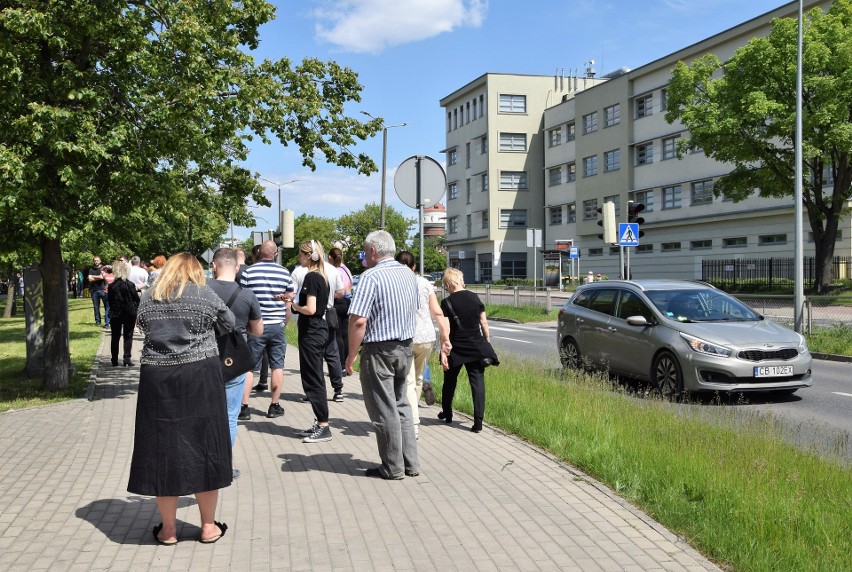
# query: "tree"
[[746, 117], [118, 113], [434, 253], [309, 227], [354, 228]]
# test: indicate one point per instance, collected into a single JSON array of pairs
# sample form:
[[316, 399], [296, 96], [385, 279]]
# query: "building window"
[[485, 268], [612, 160], [590, 209], [483, 146], [572, 173], [513, 141], [510, 103], [572, 213], [590, 122], [452, 157], [474, 116], [555, 176], [484, 185], [612, 115], [644, 106], [467, 155], [513, 180], [595, 252], [664, 99], [590, 166], [645, 248], [735, 242], [643, 198], [467, 112], [700, 244], [513, 265], [469, 226], [769, 239], [615, 250], [702, 193], [570, 132], [555, 215], [467, 189], [452, 191], [615, 200], [645, 154], [453, 225], [449, 121], [513, 217], [670, 247], [671, 197], [481, 106], [455, 118], [554, 137], [485, 220], [669, 148]]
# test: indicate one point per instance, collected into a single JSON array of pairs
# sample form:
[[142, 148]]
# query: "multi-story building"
[[607, 141]]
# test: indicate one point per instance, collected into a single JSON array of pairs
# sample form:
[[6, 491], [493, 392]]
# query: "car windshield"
[[700, 306]]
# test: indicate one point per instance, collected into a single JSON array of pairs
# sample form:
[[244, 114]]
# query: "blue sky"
[[411, 53]]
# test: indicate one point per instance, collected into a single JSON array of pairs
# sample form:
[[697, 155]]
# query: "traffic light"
[[276, 236], [609, 234], [633, 210]]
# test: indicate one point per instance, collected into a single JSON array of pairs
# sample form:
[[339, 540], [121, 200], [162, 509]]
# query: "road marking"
[[514, 340], [499, 329], [843, 394]]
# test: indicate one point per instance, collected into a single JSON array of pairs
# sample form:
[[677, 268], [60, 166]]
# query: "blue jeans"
[[100, 295], [273, 342], [234, 399]]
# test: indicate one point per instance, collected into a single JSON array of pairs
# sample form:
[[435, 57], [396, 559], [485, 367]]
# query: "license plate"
[[773, 371]]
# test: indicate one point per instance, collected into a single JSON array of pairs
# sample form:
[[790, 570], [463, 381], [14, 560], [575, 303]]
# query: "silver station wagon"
[[680, 335]]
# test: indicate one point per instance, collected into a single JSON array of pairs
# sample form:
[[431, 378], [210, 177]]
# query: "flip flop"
[[222, 526], [156, 531]]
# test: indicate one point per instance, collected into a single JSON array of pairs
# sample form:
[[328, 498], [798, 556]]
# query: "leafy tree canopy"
[[354, 228], [743, 112]]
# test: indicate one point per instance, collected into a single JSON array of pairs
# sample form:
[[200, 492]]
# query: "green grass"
[[522, 314], [16, 390], [834, 340], [735, 490]]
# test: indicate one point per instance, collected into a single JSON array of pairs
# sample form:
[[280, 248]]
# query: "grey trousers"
[[384, 369]]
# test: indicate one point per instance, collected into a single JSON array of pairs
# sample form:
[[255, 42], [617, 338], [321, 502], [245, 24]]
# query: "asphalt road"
[[818, 417]]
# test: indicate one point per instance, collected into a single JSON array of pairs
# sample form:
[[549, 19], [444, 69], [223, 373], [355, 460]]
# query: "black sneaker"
[[338, 397], [320, 435], [428, 394], [309, 431], [275, 410], [245, 414], [260, 387]]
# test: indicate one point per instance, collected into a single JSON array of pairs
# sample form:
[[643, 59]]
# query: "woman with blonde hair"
[[123, 304], [182, 442], [311, 304]]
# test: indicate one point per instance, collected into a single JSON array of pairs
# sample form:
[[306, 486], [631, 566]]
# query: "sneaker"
[[245, 414], [235, 474], [320, 435], [428, 394], [338, 396], [275, 410], [260, 387], [417, 431], [309, 431]]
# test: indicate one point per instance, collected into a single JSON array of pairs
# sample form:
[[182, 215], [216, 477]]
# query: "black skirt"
[[182, 443]]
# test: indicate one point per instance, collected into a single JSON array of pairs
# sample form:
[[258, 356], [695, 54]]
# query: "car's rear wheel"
[[667, 376], [569, 354]]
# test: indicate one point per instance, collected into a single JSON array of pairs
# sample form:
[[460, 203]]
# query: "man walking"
[[272, 285], [382, 315], [97, 288], [138, 275]]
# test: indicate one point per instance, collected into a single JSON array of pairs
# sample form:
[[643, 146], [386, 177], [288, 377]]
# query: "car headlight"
[[704, 347], [803, 345]]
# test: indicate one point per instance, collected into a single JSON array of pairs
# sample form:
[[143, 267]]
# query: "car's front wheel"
[[667, 376], [569, 354]]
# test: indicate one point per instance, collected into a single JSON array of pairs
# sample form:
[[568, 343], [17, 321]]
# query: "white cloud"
[[372, 25]]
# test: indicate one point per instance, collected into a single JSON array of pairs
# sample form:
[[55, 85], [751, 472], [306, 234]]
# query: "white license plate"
[[773, 371]]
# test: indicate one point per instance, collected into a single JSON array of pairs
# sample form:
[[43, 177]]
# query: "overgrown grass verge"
[[734, 490], [523, 314], [18, 392], [834, 340]]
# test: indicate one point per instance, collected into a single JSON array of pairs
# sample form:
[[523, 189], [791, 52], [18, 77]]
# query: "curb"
[[831, 357], [93, 375]]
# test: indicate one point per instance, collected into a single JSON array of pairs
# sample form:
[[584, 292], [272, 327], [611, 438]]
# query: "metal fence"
[[769, 272]]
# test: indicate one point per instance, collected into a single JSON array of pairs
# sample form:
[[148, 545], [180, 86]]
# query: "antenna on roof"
[[590, 68]]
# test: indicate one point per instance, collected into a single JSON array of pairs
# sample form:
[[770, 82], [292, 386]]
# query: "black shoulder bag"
[[234, 350], [486, 351]]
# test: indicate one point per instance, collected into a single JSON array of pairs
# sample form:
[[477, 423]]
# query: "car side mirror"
[[639, 321]]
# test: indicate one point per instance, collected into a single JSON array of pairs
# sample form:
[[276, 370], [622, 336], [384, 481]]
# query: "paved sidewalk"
[[484, 501]]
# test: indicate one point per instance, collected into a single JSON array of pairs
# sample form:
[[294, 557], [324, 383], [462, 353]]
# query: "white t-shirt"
[[139, 276], [334, 280], [424, 330]]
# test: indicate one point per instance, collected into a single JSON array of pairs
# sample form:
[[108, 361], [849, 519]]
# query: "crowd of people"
[[187, 414]]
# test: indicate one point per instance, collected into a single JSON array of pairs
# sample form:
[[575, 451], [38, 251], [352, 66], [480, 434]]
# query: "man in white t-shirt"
[[138, 275], [332, 352]]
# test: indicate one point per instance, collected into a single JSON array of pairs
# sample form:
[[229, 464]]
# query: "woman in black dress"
[[182, 443], [123, 304], [468, 329], [311, 303]]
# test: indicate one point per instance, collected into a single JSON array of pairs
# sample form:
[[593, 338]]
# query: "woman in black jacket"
[[123, 303]]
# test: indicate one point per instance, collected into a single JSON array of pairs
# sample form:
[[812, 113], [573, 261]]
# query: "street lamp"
[[384, 161], [279, 185]]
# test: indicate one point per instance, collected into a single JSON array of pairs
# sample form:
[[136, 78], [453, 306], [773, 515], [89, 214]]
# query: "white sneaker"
[[320, 435]]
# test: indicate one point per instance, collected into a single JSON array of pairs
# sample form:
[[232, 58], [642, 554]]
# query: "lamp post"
[[279, 185], [384, 161]]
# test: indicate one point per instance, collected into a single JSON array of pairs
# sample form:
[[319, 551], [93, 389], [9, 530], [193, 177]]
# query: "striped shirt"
[[387, 297], [267, 279]]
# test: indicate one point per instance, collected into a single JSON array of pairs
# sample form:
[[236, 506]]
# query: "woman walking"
[[123, 304], [341, 305], [311, 303], [182, 443], [468, 331]]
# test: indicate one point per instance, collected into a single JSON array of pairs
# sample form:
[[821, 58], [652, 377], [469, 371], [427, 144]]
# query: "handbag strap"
[[455, 316], [233, 296]]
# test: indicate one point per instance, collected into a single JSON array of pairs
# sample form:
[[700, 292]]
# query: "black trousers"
[[311, 346], [476, 377], [331, 353], [341, 306], [122, 326]]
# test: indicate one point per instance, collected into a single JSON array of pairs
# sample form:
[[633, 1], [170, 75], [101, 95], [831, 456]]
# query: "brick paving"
[[483, 501]]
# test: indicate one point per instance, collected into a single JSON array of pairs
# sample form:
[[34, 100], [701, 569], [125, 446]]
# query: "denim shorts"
[[273, 342]]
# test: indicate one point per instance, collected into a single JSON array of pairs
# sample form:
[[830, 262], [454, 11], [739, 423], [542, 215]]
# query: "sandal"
[[156, 533], [222, 526]]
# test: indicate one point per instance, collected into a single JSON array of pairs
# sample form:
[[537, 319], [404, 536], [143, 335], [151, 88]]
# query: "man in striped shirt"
[[272, 285], [382, 315]]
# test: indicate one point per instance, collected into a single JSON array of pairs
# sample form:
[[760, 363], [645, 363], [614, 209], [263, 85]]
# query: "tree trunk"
[[57, 355]]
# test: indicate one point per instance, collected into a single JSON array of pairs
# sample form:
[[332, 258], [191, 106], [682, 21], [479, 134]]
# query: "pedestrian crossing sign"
[[628, 234]]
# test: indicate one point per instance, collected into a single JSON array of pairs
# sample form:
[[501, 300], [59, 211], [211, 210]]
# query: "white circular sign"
[[433, 181]]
